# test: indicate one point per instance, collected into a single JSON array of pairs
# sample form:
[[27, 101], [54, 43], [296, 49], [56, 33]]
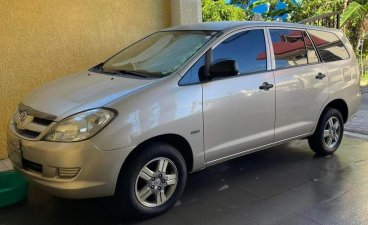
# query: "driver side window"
[[247, 48]]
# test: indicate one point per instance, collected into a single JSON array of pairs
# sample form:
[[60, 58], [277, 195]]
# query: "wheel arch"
[[340, 105], [175, 140]]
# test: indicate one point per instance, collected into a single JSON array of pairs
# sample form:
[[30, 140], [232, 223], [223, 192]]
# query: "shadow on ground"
[[281, 185]]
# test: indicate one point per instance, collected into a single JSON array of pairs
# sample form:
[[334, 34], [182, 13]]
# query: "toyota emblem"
[[23, 115]]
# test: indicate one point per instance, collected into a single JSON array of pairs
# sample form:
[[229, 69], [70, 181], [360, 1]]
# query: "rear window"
[[329, 46]]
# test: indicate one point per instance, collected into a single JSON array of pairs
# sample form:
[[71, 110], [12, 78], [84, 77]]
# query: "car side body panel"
[[299, 98], [237, 114], [344, 79]]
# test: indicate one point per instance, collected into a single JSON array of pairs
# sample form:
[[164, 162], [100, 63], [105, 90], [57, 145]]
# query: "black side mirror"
[[224, 68]]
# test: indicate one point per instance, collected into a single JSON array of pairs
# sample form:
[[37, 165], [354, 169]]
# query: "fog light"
[[68, 172]]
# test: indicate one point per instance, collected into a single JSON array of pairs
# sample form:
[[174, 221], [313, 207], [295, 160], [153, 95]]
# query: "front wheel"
[[328, 134], [153, 181]]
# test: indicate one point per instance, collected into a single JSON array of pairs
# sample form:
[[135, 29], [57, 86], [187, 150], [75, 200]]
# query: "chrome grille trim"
[[34, 127], [68, 172], [35, 113], [30, 123]]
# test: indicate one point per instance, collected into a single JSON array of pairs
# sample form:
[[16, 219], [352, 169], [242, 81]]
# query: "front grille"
[[30, 123], [42, 121], [28, 133], [29, 165]]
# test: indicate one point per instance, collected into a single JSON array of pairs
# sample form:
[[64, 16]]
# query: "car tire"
[[328, 134], [151, 182]]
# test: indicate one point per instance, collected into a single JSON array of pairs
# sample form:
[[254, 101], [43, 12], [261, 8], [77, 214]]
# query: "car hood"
[[82, 91]]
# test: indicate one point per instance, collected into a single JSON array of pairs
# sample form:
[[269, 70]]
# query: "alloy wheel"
[[332, 132], [156, 182]]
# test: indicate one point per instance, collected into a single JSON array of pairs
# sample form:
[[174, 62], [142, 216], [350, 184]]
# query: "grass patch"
[[365, 76]]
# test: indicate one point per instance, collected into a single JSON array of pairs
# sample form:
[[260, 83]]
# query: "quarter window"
[[194, 74], [329, 46], [247, 48], [288, 47]]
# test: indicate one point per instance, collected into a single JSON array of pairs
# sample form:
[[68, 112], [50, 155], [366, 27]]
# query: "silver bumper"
[[70, 170]]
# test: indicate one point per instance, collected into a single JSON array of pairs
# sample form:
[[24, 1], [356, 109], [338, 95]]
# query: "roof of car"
[[228, 25]]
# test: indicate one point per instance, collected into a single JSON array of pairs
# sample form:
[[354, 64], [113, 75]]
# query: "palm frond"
[[353, 11]]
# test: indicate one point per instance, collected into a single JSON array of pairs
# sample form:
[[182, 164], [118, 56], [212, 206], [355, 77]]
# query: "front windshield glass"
[[159, 54]]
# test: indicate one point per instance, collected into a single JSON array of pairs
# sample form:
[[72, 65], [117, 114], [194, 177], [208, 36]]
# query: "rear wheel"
[[328, 134], [153, 181]]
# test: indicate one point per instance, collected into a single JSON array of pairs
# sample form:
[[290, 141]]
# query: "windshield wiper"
[[138, 74], [99, 67]]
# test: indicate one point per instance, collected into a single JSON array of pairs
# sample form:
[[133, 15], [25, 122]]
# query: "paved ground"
[[359, 123], [282, 185]]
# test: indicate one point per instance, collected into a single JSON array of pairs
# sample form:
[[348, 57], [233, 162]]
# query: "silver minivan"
[[180, 100]]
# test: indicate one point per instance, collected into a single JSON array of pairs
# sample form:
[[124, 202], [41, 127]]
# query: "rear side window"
[[247, 48], [288, 47], [329, 46]]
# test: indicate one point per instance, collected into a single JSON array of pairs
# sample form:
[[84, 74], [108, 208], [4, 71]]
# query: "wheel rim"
[[156, 182], [332, 132]]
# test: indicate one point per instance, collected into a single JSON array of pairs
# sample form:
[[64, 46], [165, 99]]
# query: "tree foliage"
[[354, 17], [309, 8], [241, 3], [219, 11], [355, 12], [273, 12], [355, 21]]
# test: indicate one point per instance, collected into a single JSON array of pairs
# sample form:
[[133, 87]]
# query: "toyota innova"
[[180, 100]]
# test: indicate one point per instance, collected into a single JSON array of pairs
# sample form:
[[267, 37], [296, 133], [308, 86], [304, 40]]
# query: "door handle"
[[320, 76], [266, 86]]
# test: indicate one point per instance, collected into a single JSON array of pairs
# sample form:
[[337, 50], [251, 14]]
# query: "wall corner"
[[185, 12]]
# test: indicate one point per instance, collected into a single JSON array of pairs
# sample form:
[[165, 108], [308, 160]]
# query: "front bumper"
[[96, 170]]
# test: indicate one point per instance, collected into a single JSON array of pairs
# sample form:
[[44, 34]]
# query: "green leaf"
[[354, 11], [219, 10], [257, 3]]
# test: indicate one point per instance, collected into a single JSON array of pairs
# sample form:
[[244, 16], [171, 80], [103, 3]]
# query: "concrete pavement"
[[359, 123]]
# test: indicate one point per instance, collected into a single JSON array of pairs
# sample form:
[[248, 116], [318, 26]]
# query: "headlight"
[[80, 126]]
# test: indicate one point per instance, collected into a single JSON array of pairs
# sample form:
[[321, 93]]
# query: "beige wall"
[[41, 40]]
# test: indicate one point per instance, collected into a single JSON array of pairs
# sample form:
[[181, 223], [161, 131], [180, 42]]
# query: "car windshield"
[[157, 55]]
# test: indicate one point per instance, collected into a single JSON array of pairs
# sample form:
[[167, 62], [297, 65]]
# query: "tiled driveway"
[[282, 185]]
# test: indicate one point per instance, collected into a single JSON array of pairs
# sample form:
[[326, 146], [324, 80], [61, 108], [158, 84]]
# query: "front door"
[[239, 112]]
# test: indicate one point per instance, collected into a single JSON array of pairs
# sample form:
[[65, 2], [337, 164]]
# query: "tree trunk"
[[360, 31], [346, 2]]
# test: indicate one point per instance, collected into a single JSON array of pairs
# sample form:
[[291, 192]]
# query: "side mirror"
[[224, 68]]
